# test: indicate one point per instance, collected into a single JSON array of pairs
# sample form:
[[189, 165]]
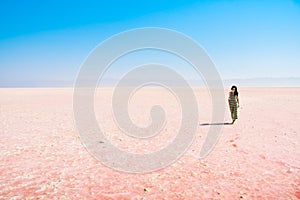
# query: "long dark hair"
[[235, 91]]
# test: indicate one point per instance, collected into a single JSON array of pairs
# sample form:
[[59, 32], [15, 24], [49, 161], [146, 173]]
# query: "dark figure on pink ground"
[[234, 103]]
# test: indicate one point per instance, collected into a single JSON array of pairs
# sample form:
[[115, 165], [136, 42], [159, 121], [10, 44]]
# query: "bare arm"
[[237, 99]]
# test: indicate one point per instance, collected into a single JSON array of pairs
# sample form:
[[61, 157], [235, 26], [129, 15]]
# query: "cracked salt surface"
[[41, 156]]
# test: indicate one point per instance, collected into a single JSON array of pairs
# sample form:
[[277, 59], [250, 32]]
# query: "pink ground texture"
[[41, 155]]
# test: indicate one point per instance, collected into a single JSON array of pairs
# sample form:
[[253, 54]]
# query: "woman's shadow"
[[215, 124]]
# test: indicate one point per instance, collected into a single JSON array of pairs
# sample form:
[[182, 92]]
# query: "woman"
[[234, 103]]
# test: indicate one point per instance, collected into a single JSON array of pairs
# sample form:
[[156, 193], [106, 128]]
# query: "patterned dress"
[[233, 105]]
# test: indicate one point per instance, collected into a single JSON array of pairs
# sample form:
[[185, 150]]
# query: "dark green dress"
[[233, 105]]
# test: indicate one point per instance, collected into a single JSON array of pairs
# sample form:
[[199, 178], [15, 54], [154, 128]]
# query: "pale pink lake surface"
[[41, 155]]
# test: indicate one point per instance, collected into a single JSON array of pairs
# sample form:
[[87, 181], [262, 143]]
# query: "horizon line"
[[251, 82]]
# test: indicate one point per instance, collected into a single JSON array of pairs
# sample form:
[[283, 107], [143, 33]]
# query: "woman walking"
[[234, 103]]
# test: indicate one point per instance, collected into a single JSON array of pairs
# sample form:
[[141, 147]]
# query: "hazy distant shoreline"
[[251, 82]]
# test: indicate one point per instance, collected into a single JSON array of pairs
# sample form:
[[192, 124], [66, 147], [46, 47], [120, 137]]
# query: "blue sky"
[[246, 39]]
